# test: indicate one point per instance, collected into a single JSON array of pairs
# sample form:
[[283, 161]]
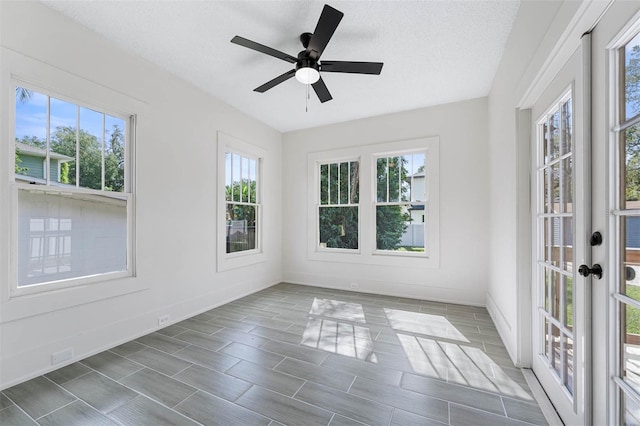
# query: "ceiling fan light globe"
[[307, 75]]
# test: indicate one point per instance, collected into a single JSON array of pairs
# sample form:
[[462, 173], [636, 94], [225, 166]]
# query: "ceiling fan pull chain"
[[306, 107]]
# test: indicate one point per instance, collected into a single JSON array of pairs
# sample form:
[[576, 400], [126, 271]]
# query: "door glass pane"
[[555, 241], [567, 244], [631, 173], [547, 339], [631, 410], [630, 319], [566, 126], [555, 188], [568, 301], [547, 288], [547, 246], [547, 191], [630, 237], [567, 185], [556, 362], [554, 124], [632, 78], [568, 373], [556, 284]]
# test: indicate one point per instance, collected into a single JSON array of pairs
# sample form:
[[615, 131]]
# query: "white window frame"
[[21, 302], [319, 206], [377, 203], [226, 261], [367, 253]]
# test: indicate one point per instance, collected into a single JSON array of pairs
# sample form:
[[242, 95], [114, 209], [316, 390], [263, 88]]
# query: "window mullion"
[[77, 146], [48, 133]]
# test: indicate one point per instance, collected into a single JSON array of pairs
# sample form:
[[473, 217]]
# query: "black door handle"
[[585, 271]]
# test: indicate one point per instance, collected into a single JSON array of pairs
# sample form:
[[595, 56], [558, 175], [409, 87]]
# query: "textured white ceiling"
[[434, 52]]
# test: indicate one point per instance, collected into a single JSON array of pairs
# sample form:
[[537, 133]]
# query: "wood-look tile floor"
[[293, 355]]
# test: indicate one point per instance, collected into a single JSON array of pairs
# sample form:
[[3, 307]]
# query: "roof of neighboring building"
[[39, 152]]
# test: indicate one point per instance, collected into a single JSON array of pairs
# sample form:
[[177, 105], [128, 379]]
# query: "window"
[[400, 202], [375, 204], [73, 192], [240, 204], [242, 208], [338, 207]]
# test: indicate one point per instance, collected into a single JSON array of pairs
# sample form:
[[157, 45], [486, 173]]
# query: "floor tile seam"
[[227, 401], [313, 381], [153, 347], [57, 409], [158, 371], [82, 375], [419, 394], [489, 412], [109, 378], [504, 407], [298, 390], [285, 396], [384, 405], [18, 407], [253, 347], [462, 387], [140, 395]]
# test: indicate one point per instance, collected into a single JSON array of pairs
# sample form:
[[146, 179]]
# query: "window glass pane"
[[395, 177], [333, 184], [545, 143], [419, 182], [91, 138], [62, 237], [31, 133], [396, 230], [632, 78], [382, 179], [556, 283], [227, 176], [324, 184], [241, 227], [631, 170], [63, 136], [339, 227], [252, 181], [244, 196], [114, 154], [355, 182], [235, 170], [344, 183], [555, 241]]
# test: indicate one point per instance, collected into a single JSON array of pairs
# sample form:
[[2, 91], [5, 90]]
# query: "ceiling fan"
[[308, 64]]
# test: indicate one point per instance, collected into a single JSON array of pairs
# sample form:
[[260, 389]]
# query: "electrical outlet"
[[163, 319], [62, 356], [354, 286]]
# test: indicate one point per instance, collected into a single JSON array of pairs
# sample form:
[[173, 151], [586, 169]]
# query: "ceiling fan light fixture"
[[307, 75]]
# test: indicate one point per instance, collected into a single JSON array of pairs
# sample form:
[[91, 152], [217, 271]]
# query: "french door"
[[586, 329], [561, 195]]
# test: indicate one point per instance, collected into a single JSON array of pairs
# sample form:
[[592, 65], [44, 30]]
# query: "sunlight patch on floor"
[[430, 325], [339, 338], [338, 310], [464, 365]]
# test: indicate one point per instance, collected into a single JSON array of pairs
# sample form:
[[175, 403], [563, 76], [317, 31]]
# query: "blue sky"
[[31, 117]]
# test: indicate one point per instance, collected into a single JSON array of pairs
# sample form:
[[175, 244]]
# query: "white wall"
[[175, 200], [464, 211]]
